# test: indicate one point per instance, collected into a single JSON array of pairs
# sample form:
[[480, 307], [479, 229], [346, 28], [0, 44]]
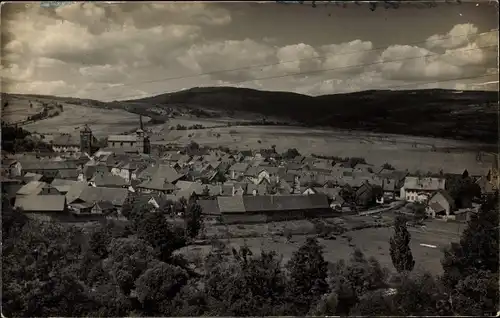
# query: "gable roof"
[[231, 204], [32, 188], [65, 140], [117, 196], [210, 207], [424, 183], [157, 183], [162, 171], [239, 167], [62, 185], [48, 203]]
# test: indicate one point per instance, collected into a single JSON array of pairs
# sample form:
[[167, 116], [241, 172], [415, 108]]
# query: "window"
[[121, 144]]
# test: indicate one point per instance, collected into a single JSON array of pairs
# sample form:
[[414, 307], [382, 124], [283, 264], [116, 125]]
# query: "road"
[[392, 206]]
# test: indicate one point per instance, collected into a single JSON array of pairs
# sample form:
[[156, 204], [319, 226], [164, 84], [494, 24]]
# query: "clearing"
[[403, 152], [372, 241], [103, 122]]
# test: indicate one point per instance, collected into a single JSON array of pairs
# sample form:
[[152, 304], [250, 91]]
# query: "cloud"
[[459, 35], [98, 51]]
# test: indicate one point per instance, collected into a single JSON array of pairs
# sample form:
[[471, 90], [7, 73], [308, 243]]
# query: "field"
[[403, 152], [373, 242], [19, 109], [103, 122]]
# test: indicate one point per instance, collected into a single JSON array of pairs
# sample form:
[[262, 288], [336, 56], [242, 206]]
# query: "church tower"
[[86, 140], [143, 139]]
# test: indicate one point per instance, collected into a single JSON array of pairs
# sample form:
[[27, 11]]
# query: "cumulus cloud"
[[131, 50], [459, 35]]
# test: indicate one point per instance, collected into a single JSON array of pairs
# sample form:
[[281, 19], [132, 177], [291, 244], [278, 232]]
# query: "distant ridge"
[[465, 115], [468, 115]]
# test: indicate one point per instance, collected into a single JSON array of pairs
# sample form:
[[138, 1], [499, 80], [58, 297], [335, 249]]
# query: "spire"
[[140, 122]]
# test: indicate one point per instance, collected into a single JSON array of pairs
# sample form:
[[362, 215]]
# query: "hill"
[[467, 115]]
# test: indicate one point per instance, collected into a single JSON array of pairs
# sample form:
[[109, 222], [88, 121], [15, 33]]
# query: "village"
[[79, 182]]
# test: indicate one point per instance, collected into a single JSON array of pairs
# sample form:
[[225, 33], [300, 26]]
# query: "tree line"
[[134, 269]]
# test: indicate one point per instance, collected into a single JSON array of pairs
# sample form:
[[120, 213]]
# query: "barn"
[[269, 208]]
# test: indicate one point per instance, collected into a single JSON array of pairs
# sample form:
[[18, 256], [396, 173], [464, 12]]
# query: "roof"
[[31, 188], [30, 176], [97, 194], [231, 204], [261, 189], [240, 167], [184, 185], [436, 207], [122, 138], [67, 174], [48, 165], [209, 207], [240, 204], [161, 170], [157, 183], [108, 179], [424, 183], [48, 203], [63, 185]]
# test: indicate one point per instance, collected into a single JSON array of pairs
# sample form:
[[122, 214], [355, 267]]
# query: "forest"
[[132, 269]]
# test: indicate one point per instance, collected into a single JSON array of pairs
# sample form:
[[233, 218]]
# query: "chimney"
[[140, 122]]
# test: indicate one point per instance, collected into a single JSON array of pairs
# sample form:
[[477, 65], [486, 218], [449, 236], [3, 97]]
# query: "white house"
[[419, 189]]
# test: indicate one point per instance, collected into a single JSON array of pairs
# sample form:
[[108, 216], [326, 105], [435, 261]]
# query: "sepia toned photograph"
[[251, 158]]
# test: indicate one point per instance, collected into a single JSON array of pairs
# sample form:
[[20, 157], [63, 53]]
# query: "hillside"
[[468, 115]]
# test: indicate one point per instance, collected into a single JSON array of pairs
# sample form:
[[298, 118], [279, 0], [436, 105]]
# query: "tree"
[[157, 287], [471, 266], [388, 166], [419, 294], [245, 285], [193, 218], [128, 258], [401, 255], [160, 234], [308, 273], [326, 306], [291, 153]]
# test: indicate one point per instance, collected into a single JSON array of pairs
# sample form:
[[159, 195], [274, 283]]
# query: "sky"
[[132, 50]]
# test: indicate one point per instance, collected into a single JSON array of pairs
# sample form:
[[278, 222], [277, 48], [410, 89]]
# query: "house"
[[237, 171], [82, 199], [136, 143], [334, 198], [43, 207], [256, 189], [365, 195], [127, 170], [47, 168], [419, 189], [12, 167], [440, 204], [160, 171], [389, 188], [62, 185], [269, 208], [108, 180], [66, 143], [156, 185]]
